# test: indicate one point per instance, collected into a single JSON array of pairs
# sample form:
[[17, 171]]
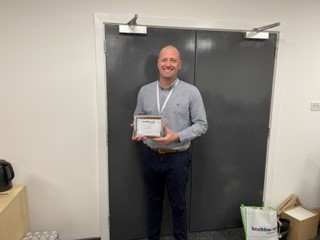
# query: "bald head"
[[170, 48]]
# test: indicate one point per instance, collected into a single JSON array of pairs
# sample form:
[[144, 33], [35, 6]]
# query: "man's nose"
[[167, 63]]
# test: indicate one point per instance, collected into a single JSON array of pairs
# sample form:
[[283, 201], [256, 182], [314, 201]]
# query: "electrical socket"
[[315, 106]]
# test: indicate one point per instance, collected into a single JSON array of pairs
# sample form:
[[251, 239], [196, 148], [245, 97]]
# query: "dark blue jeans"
[[170, 171]]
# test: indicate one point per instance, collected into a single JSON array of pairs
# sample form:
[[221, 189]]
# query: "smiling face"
[[169, 63]]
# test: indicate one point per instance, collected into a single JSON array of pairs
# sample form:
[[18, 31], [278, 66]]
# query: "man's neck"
[[165, 83]]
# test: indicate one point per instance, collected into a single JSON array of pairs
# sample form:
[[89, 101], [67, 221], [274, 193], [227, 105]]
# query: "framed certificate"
[[148, 125]]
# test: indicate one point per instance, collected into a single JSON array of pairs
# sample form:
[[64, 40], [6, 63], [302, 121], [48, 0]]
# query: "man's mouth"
[[167, 70]]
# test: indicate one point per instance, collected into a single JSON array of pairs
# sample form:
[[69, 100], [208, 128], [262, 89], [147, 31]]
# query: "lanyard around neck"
[[167, 98]]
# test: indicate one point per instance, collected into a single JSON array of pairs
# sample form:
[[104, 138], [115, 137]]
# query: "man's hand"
[[138, 138], [135, 137], [170, 137]]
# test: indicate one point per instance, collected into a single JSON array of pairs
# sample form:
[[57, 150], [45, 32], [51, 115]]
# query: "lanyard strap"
[[167, 98]]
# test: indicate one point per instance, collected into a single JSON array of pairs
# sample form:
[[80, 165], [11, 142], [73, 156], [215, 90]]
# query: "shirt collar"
[[168, 88]]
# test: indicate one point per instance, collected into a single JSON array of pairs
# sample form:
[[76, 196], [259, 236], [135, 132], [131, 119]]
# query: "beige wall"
[[49, 113]]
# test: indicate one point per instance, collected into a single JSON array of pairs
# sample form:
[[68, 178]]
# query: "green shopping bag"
[[259, 223]]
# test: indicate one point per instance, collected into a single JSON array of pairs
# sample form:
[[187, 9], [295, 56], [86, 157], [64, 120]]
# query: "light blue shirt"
[[184, 112]]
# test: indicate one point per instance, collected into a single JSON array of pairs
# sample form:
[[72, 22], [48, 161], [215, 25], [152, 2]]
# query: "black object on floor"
[[222, 234]]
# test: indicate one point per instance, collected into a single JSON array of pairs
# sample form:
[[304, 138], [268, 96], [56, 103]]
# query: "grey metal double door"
[[235, 78]]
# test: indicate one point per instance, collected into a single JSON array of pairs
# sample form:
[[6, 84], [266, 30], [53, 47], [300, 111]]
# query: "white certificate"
[[148, 125]]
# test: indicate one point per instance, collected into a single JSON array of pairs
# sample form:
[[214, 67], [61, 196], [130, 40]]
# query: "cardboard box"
[[318, 211], [303, 223], [291, 201]]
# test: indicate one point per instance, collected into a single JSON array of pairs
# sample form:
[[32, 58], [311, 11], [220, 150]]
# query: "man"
[[167, 159]]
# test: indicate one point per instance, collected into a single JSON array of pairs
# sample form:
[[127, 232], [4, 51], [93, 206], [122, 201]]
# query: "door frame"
[[100, 19]]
